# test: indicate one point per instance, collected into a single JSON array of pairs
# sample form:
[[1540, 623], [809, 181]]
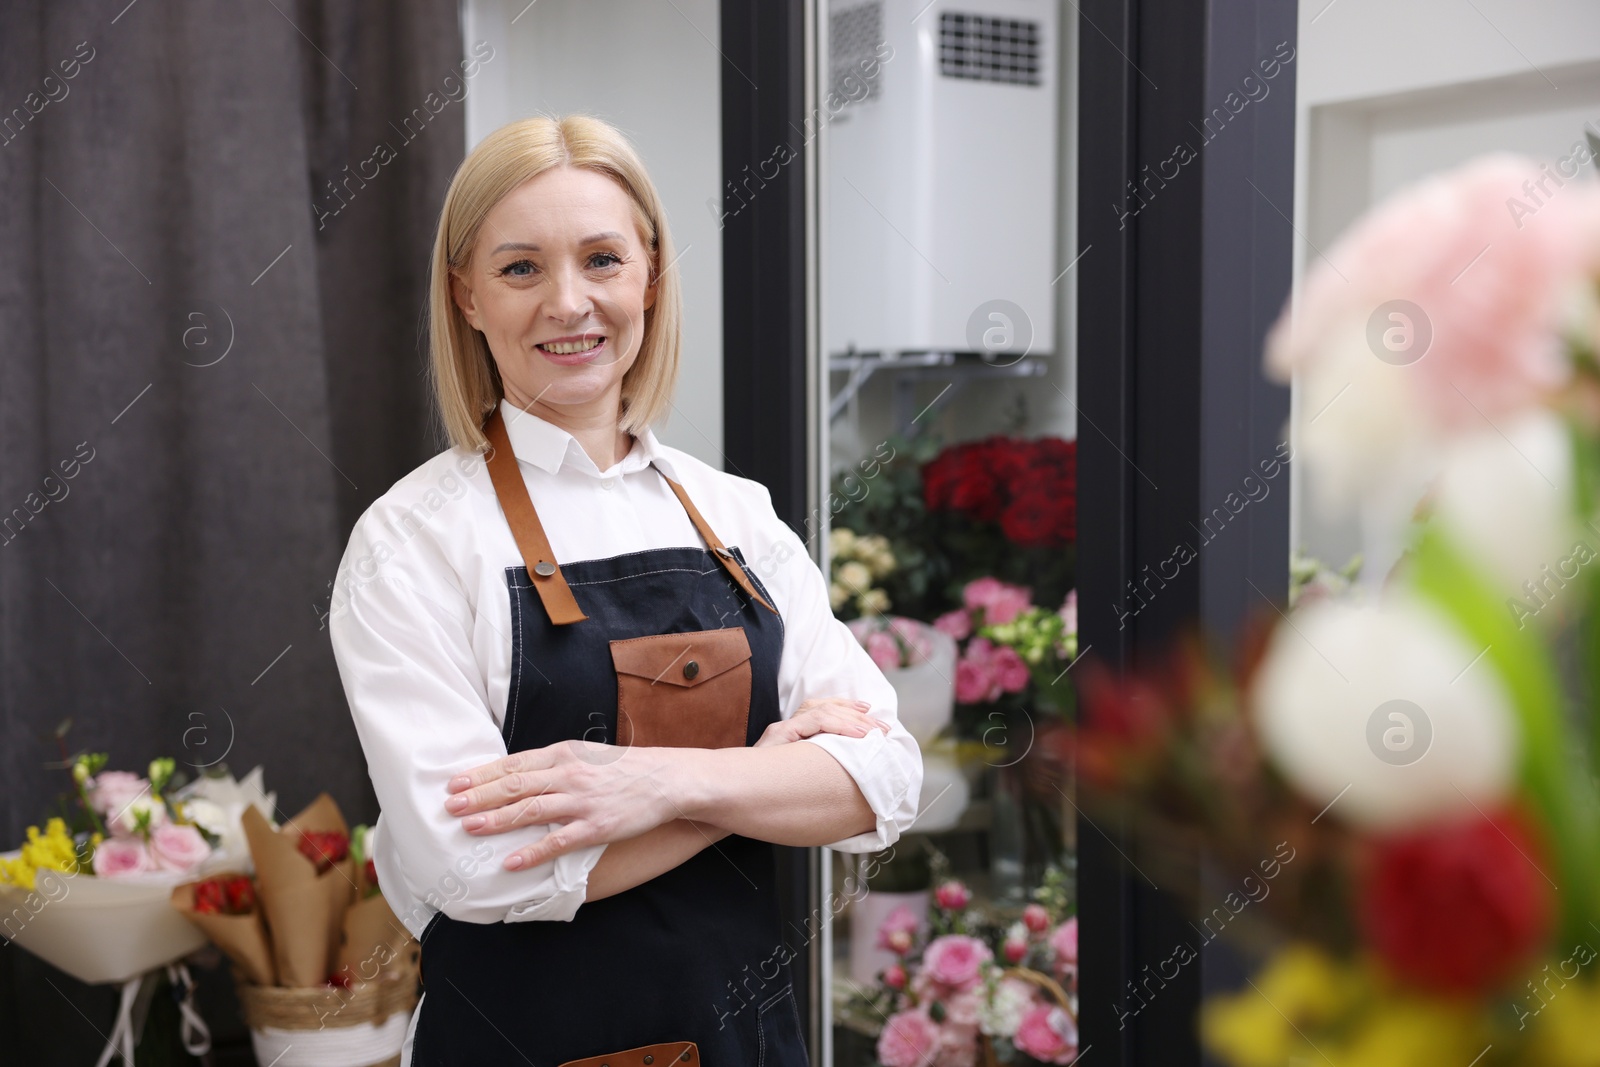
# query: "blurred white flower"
[[1001, 1015], [1359, 430], [139, 815], [1507, 499], [1384, 711], [230, 797], [855, 576], [873, 602]]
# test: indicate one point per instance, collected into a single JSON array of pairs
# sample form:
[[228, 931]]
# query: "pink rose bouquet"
[[948, 1001]]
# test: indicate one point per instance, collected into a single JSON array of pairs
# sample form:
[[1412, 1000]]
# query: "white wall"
[[1388, 92], [650, 68]]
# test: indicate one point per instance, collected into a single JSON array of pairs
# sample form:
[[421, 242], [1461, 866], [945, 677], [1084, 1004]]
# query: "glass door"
[[948, 428]]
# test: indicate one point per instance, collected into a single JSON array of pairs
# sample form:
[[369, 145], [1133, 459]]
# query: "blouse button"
[[607, 483], [691, 669]]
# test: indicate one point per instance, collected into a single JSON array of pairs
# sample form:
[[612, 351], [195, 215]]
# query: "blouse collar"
[[547, 446]]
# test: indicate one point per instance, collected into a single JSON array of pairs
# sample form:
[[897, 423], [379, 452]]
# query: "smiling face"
[[558, 283]]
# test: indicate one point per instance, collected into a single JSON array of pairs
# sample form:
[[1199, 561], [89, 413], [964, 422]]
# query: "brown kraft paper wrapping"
[[304, 909], [242, 938]]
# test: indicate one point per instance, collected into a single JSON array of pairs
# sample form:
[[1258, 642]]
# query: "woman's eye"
[[515, 269], [611, 256]]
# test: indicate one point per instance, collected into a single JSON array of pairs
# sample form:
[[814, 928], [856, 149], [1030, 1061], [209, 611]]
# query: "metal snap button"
[[544, 567], [691, 669], [649, 1059], [685, 1056]]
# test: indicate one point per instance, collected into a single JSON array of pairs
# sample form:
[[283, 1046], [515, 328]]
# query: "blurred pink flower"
[[1010, 672], [1047, 1034], [176, 847], [1001, 602], [118, 856], [883, 650], [914, 635], [1065, 944], [955, 962], [961, 1009], [909, 1039], [898, 930], [1014, 950], [958, 624], [1440, 308], [1035, 918], [952, 895], [975, 681], [111, 791], [958, 1041], [894, 976], [1069, 611]]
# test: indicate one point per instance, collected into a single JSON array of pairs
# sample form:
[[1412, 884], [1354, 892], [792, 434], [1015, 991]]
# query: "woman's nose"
[[568, 295]]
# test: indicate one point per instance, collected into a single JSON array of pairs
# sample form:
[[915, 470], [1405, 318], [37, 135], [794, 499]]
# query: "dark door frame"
[[765, 340], [1189, 260]]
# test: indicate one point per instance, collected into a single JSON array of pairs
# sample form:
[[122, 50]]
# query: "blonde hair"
[[466, 383]]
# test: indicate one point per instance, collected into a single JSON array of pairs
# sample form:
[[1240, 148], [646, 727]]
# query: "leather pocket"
[[684, 690], [663, 1054]]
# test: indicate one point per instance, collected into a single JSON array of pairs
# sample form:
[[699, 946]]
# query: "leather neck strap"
[[528, 531]]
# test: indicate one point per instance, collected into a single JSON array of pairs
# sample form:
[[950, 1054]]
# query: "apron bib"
[[696, 954]]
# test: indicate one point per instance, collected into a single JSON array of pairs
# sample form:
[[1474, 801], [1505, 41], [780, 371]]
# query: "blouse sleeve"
[[822, 658], [421, 710]]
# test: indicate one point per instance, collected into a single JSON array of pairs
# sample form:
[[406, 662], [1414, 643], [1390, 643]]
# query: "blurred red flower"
[[1456, 907], [1029, 486], [324, 847]]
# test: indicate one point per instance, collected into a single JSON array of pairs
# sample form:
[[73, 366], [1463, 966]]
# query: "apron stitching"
[[641, 574], [516, 679]]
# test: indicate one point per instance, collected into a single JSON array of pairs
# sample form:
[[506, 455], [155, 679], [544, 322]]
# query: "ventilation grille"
[[988, 49], [854, 36]]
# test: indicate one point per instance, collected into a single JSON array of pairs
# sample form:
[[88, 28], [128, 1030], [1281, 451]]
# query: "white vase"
[[926, 692], [945, 789]]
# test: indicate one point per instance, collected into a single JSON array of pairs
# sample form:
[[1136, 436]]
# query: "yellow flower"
[[52, 850], [16, 872], [1563, 1032], [1301, 990], [1412, 1030]]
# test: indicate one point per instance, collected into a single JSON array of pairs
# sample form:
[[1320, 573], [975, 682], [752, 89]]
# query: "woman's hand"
[[601, 793], [831, 715]]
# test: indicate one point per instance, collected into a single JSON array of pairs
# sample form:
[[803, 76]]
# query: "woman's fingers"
[[561, 839], [530, 759], [530, 811]]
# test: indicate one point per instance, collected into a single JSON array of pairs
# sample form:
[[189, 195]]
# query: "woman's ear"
[[650, 290], [464, 299]]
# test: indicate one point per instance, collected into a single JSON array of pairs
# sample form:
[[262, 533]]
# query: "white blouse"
[[420, 621]]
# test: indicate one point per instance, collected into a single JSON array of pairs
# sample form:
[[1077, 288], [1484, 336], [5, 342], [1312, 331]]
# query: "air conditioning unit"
[[941, 176]]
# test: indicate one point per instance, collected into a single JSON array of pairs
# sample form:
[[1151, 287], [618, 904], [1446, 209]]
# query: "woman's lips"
[[574, 358]]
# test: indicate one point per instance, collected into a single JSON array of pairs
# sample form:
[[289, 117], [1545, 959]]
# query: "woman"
[[580, 707]]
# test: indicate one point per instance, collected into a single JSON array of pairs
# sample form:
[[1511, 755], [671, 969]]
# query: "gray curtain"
[[211, 306]]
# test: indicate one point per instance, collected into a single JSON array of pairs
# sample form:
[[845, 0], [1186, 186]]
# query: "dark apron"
[[694, 954]]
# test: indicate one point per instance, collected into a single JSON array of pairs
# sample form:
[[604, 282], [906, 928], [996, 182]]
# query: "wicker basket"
[[363, 1026], [1051, 987]]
